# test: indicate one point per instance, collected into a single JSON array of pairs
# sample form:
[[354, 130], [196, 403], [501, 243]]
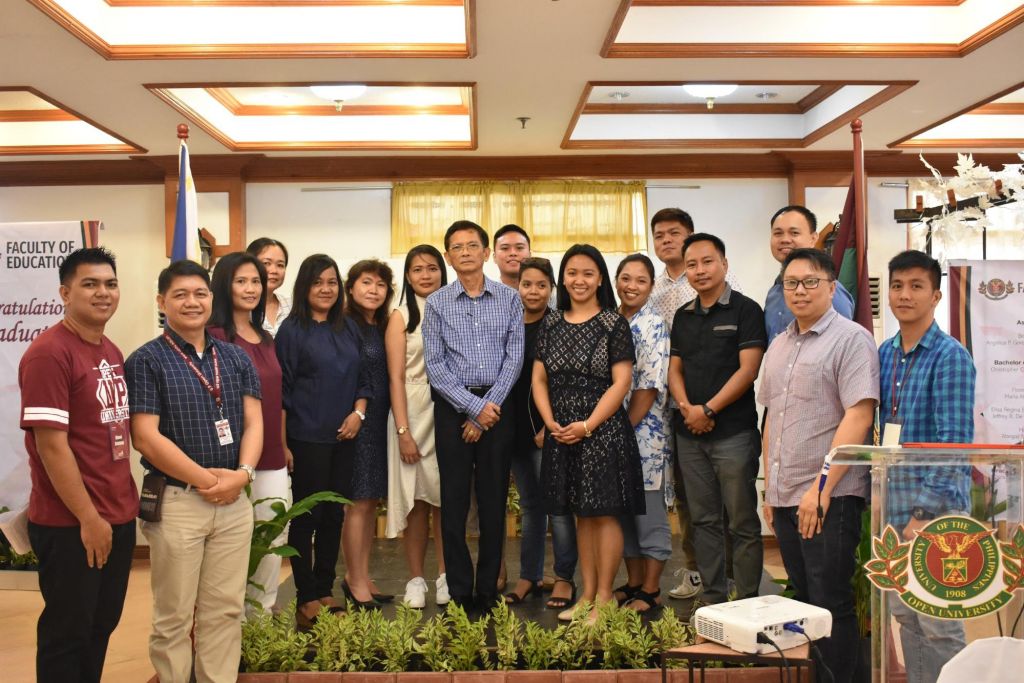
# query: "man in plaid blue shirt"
[[927, 395]]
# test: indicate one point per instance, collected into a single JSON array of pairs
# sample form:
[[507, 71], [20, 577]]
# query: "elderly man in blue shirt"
[[795, 227], [927, 395], [473, 350]]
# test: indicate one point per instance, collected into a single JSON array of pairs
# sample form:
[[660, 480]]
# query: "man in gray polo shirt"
[[820, 388]]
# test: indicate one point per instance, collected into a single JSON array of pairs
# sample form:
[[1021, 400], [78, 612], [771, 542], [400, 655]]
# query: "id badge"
[[120, 446], [893, 427], [224, 432]]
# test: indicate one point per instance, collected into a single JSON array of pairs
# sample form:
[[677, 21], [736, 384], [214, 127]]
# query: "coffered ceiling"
[[512, 77]]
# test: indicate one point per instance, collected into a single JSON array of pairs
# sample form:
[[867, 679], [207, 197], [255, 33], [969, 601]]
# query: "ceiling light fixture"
[[618, 95], [709, 91], [766, 95], [339, 94]]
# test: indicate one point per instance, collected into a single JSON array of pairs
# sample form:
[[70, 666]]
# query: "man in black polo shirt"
[[196, 419], [718, 340]]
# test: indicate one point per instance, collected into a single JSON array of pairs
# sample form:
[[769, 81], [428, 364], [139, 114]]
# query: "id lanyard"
[[213, 389], [894, 425]]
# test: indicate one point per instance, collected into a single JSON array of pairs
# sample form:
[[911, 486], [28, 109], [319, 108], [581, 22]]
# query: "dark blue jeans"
[[526, 470], [820, 571]]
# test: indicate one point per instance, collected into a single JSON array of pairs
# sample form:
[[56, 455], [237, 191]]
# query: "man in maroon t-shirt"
[[82, 509]]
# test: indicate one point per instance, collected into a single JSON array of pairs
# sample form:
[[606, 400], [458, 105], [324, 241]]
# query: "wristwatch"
[[361, 414], [250, 472], [402, 430], [707, 411], [920, 514]]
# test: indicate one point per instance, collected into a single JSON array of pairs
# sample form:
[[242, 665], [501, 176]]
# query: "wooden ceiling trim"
[[616, 26], [351, 110], [693, 143], [192, 116], [790, 3], [342, 145], [31, 150], [963, 143], [864, 107], [35, 115], [999, 109], [817, 96], [686, 108], [992, 31], [226, 98], [279, 3], [725, 50], [575, 118], [965, 110], [470, 29]]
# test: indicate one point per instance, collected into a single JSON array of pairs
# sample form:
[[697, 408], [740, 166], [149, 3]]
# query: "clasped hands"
[[472, 430], [572, 433], [695, 419], [227, 488]]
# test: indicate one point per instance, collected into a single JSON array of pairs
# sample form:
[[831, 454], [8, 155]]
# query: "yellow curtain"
[[557, 213]]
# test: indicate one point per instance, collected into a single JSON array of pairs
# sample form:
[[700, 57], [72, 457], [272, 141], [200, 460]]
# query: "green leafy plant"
[[508, 636], [266, 531], [433, 643], [576, 647], [271, 643], [623, 638], [669, 632], [398, 638], [540, 646], [468, 640]]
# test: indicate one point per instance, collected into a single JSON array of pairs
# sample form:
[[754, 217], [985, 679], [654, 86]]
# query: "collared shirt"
[[808, 383], [934, 390], [161, 383], [651, 342], [323, 375], [473, 342], [777, 315], [669, 294], [708, 341], [284, 308]]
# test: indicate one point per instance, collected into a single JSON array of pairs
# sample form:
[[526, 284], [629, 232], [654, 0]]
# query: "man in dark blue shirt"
[[196, 419]]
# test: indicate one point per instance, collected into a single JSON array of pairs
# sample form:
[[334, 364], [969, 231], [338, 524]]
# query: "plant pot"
[[533, 676], [315, 677], [425, 677], [587, 676], [262, 678], [367, 677], [478, 677]]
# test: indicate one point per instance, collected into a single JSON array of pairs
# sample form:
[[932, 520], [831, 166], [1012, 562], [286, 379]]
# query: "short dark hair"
[[465, 225], [812, 220], [408, 294], [511, 227], [605, 292], [91, 255], [310, 269], [182, 268], [911, 258], [637, 258], [538, 263], [819, 259], [381, 270], [704, 237], [261, 243], [223, 313], [672, 215]]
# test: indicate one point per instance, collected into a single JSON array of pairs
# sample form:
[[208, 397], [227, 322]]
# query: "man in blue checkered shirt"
[[927, 395]]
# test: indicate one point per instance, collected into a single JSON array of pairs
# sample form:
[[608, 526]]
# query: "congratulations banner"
[[986, 313], [30, 255]]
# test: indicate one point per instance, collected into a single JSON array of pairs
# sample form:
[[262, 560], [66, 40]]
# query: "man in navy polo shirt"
[[196, 419]]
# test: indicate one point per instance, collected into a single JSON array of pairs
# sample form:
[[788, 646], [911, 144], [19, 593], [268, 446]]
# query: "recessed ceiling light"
[[618, 95], [709, 91], [339, 94], [766, 95]]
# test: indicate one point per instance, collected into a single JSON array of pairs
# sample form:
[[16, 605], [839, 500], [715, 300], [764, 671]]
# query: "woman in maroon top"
[[239, 287]]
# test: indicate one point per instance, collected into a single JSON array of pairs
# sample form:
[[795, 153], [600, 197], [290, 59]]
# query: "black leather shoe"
[[358, 604]]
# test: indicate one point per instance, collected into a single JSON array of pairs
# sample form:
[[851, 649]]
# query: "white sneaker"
[[442, 590], [688, 587], [416, 593]]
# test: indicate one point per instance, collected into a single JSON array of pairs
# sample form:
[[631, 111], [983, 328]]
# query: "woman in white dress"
[[274, 257], [414, 485]]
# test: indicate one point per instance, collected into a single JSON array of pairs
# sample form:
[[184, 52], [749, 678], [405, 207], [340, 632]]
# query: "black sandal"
[[513, 598], [559, 602], [650, 599], [627, 591]]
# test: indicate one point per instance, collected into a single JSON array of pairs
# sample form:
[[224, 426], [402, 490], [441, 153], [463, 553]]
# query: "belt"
[[480, 391]]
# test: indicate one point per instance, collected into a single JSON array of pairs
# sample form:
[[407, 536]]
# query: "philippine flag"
[[186, 220]]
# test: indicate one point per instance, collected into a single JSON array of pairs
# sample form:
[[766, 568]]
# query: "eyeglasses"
[[807, 282], [470, 247]]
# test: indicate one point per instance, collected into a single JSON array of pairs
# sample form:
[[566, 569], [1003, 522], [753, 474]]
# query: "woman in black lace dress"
[[591, 465], [369, 288]]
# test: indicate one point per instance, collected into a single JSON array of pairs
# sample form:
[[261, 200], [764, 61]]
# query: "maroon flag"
[[850, 255]]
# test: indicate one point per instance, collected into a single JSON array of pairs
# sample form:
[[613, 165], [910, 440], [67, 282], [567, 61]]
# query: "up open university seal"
[[954, 568]]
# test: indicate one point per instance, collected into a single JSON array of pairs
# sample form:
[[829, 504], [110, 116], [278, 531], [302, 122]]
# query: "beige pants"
[[199, 556]]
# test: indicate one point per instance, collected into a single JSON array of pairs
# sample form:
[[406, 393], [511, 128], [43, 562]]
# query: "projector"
[[737, 624]]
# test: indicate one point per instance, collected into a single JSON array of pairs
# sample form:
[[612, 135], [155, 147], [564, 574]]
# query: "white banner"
[[30, 255], [986, 313]]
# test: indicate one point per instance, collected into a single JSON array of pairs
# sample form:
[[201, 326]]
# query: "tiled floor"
[[127, 658]]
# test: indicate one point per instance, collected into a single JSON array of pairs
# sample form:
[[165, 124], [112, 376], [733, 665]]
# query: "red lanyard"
[[897, 395], [214, 388]]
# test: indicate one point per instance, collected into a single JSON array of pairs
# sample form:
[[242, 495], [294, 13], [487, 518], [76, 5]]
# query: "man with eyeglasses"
[[820, 389], [795, 227], [473, 349]]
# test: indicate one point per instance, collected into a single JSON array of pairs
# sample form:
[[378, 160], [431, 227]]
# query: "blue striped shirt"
[[473, 341], [935, 402], [160, 383]]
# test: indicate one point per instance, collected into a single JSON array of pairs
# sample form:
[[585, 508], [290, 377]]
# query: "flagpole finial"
[[183, 131], [856, 126]]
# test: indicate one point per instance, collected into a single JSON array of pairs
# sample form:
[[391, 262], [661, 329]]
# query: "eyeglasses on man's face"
[[469, 247], [807, 282]]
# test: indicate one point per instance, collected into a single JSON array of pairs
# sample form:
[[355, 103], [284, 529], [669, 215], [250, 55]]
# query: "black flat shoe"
[[649, 599], [627, 591], [358, 604], [513, 598], [382, 597]]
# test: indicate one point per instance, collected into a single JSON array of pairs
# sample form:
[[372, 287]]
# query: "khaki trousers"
[[199, 556]]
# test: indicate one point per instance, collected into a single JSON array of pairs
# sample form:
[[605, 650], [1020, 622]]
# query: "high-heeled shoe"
[[358, 604]]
